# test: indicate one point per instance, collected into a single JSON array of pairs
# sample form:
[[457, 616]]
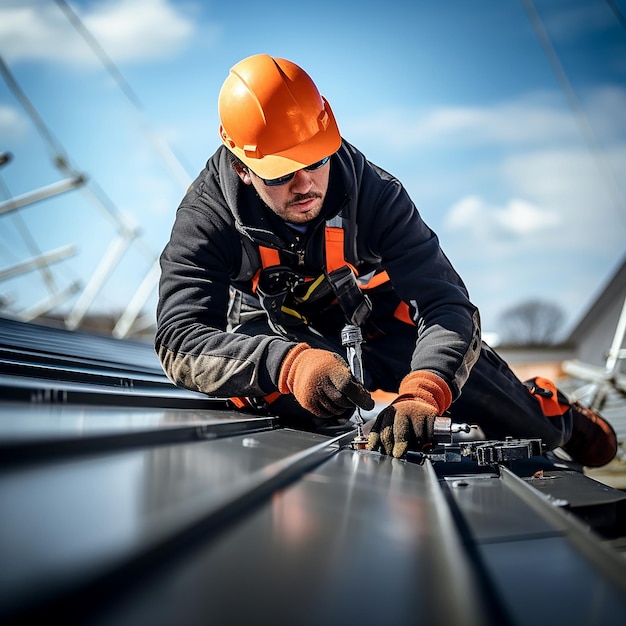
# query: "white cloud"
[[517, 218], [586, 190], [523, 218], [128, 30], [466, 213], [533, 118], [557, 201], [526, 176], [136, 29], [560, 218], [566, 176], [12, 124]]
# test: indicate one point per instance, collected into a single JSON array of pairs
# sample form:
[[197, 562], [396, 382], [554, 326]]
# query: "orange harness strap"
[[334, 243], [546, 393], [269, 258], [244, 403], [376, 280], [402, 313], [334, 250]]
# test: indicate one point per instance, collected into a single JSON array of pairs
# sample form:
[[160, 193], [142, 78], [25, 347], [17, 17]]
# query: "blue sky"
[[522, 179]]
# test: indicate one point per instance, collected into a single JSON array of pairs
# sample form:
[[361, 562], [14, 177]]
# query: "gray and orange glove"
[[321, 382], [410, 419]]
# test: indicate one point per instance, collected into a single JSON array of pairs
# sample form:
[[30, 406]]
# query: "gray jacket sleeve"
[[192, 342]]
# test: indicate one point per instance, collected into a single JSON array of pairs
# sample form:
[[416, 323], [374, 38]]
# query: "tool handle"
[[352, 338]]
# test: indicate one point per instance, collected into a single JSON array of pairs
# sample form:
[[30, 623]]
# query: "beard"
[[291, 211]]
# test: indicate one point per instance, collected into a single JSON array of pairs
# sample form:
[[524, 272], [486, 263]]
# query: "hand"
[[410, 418], [321, 382]]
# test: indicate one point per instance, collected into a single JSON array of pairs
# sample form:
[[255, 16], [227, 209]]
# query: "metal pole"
[[41, 194], [116, 250], [615, 353], [49, 303], [37, 262], [126, 320]]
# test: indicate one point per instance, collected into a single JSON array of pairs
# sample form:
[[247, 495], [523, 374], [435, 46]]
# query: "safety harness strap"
[[334, 250], [243, 403], [334, 244], [269, 256], [335, 260], [553, 403]]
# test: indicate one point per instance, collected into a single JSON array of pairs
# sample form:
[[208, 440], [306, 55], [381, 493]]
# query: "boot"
[[593, 442]]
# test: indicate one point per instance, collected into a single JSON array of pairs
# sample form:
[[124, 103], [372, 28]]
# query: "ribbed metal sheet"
[[116, 510]]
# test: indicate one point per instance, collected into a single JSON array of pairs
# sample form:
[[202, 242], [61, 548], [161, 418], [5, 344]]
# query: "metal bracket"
[[486, 452]]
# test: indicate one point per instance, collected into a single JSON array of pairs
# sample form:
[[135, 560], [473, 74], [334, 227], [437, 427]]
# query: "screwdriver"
[[352, 338]]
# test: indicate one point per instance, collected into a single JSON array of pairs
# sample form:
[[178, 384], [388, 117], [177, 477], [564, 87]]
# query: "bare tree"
[[533, 322]]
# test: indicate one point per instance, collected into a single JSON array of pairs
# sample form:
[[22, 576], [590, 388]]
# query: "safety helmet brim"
[[324, 143], [274, 118]]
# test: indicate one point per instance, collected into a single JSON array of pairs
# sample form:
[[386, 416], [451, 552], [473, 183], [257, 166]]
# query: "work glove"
[[321, 382], [410, 418]]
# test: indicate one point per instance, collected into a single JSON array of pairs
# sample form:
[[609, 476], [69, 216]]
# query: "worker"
[[289, 233]]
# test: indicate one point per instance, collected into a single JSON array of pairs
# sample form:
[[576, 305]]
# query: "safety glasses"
[[282, 180]]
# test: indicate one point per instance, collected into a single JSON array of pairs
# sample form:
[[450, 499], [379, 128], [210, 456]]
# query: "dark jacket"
[[214, 248]]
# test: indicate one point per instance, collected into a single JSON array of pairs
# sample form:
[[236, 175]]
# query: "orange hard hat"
[[274, 118]]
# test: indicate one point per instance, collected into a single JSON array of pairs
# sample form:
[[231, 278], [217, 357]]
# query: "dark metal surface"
[[363, 539], [41, 432], [164, 507], [538, 556], [85, 518]]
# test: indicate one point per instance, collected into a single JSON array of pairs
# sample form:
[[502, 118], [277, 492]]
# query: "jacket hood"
[[255, 220]]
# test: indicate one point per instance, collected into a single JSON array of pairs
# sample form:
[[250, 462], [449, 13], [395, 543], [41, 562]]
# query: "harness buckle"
[[356, 306]]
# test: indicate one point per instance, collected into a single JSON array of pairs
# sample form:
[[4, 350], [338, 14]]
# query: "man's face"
[[298, 201]]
